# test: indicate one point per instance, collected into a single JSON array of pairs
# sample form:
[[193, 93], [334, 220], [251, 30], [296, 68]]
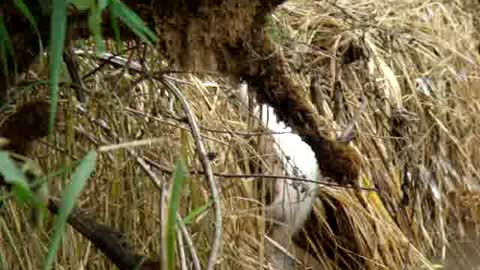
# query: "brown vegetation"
[[226, 36], [348, 230]]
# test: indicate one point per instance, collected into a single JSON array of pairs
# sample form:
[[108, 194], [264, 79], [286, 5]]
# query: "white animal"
[[292, 201]]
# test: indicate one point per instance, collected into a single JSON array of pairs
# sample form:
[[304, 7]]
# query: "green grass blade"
[[14, 176], [58, 26], [95, 25], [116, 30], [195, 213], [81, 5], [72, 191], [5, 38], [2, 260], [26, 12], [133, 21], [5, 49], [11, 173], [179, 179]]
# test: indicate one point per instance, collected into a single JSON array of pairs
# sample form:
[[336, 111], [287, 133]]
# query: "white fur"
[[289, 144], [293, 201]]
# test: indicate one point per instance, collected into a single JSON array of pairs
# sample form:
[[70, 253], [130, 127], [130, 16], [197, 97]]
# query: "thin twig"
[[293, 178], [348, 134], [143, 164], [278, 246], [186, 235], [72, 67], [267, 176], [236, 132], [183, 260], [146, 168], [189, 243], [180, 126], [142, 161], [163, 218], [217, 238]]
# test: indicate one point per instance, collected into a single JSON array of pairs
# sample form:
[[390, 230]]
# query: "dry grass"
[[405, 41]]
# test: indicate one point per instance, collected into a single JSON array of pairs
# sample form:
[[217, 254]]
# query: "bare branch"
[[217, 238], [110, 241]]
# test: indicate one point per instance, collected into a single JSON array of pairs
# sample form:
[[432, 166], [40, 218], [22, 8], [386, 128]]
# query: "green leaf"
[[14, 176], [95, 25], [81, 5], [116, 30], [5, 37], [71, 193], [103, 4], [26, 12], [10, 171], [179, 179], [3, 264], [58, 23], [20, 4], [24, 194], [133, 21], [31, 85], [195, 213], [5, 49]]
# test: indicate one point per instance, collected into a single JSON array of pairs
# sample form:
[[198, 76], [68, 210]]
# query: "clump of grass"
[[415, 62]]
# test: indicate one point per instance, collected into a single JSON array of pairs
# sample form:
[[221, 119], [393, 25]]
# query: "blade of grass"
[[5, 50], [133, 21], [2, 260], [174, 204], [196, 212], [14, 176], [26, 12], [58, 26], [72, 191], [81, 5], [11, 173], [95, 23], [116, 31]]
